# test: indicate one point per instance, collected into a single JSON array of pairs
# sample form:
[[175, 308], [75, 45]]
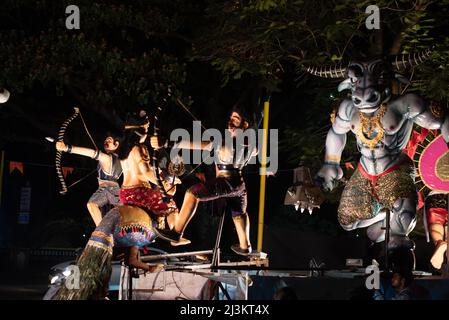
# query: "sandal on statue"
[[243, 252]]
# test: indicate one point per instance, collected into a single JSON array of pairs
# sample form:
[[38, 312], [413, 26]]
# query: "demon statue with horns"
[[382, 124]]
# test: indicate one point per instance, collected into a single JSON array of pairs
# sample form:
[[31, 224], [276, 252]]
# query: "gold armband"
[[332, 158]]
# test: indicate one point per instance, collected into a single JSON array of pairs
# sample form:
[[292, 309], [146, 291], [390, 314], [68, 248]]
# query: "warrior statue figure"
[[382, 124], [132, 225]]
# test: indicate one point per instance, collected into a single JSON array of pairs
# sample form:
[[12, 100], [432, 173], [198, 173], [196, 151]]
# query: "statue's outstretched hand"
[[328, 176]]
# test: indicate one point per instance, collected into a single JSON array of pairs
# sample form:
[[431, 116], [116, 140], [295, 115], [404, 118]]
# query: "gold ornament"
[[176, 167], [332, 116], [368, 126], [332, 158], [442, 167]]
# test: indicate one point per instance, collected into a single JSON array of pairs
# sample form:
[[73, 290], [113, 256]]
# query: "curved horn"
[[403, 61], [335, 71]]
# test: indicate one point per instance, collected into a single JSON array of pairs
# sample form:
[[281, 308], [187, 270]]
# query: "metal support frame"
[[130, 283], [216, 250], [223, 289], [213, 266], [175, 255], [387, 239]]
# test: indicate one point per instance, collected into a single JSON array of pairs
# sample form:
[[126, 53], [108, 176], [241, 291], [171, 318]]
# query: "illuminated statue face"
[[369, 83], [236, 122], [110, 145]]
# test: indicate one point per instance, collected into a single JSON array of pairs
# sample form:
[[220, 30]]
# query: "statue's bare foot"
[[202, 257], [181, 242], [438, 255]]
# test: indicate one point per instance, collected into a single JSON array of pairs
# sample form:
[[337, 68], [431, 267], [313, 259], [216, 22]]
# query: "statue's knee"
[[376, 232], [405, 209], [92, 206], [404, 204], [403, 220]]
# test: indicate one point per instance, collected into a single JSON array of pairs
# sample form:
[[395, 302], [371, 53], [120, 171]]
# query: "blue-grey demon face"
[[369, 82]]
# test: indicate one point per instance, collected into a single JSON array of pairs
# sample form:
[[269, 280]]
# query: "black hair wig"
[[132, 133]]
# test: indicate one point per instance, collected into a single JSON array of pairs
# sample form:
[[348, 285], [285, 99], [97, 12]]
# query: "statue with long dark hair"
[[228, 184]]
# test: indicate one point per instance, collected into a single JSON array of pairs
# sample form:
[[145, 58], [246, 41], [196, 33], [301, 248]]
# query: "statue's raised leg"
[[402, 222]]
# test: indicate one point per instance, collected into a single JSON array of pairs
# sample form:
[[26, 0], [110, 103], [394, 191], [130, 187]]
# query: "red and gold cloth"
[[145, 197]]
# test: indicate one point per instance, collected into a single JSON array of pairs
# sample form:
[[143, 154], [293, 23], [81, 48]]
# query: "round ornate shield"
[[433, 163]]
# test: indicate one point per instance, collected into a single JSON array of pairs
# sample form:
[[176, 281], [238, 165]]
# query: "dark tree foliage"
[[123, 57]]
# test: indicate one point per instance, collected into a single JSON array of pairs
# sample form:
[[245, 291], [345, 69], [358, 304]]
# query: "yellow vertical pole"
[[2, 165], [263, 175]]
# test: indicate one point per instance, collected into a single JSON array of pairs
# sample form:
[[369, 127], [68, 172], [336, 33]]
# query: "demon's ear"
[[402, 79], [344, 85]]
